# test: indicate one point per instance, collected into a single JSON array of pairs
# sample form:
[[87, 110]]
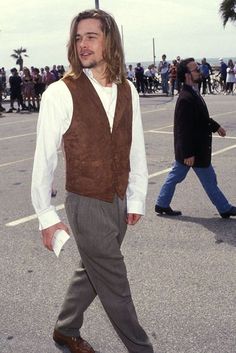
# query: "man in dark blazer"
[[192, 142]]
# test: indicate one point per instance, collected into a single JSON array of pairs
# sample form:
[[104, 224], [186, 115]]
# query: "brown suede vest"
[[97, 161]]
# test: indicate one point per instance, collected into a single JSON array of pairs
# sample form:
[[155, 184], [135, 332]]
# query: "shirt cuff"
[[137, 207], [48, 219]]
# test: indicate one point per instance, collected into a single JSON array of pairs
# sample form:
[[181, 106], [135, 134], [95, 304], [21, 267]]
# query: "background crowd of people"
[[26, 87], [165, 75]]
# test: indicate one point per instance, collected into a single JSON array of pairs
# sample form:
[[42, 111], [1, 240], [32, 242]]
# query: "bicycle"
[[5, 93], [216, 86], [152, 85]]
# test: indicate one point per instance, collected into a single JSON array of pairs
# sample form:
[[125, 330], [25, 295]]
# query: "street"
[[182, 270]]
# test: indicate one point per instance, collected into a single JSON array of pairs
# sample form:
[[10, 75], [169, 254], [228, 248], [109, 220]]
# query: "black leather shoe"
[[167, 210], [231, 212]]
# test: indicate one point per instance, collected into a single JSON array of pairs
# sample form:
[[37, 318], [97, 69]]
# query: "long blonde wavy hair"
[[113, 53]]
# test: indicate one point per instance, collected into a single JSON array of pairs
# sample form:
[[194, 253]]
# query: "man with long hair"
[[95, 112]]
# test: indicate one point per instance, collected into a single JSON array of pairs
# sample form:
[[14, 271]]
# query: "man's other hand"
[[133, 218]]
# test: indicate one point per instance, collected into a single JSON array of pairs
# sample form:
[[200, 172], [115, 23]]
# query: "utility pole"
[[153, 49], [97, 4]]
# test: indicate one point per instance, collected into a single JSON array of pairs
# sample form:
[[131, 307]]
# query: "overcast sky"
[[179, 27]]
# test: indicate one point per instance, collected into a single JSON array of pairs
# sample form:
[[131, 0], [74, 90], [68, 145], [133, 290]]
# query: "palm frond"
[[228, 11], [20, 50]]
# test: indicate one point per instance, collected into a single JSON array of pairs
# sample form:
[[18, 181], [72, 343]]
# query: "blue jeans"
[[164, 82], [207, 177]]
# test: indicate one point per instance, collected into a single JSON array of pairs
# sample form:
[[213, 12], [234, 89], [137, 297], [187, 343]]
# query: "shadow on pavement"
[[224, 229]]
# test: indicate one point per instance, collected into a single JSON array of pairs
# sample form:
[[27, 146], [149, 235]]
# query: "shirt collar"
[[89, 74]]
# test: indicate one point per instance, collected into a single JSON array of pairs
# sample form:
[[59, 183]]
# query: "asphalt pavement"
[[182, 270]]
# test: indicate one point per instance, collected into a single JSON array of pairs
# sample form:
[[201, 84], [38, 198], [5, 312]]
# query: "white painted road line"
[[152, 111], [225, 113], [60, 207], [160, 132], [171, 133], [164, 171], [223, 150], [158, 129], [19, 161], [29, 218], [148, 131], [165, 127], [18, 121], [16, 136], [15, 162]]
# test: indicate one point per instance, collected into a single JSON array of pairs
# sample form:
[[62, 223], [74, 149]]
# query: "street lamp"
[[97, 4]]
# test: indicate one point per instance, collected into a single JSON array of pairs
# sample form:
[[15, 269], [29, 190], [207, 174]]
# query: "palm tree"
[[228, 11], [18, 56]]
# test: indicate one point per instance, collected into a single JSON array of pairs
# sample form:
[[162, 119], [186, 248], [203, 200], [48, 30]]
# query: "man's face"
[[90, 43], [194, 72]]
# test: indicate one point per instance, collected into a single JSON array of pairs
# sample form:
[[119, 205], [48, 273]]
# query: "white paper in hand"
[[59, 239]]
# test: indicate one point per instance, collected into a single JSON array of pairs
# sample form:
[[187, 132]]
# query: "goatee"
[[89, 65]]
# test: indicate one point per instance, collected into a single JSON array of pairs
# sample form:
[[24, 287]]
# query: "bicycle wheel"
[[216, 86]]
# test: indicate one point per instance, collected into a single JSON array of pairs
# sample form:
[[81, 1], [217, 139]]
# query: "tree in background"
[[228, 11], [18, 53]]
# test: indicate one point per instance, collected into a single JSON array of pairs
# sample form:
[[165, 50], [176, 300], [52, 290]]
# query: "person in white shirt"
[[94, 113], [130, 73]]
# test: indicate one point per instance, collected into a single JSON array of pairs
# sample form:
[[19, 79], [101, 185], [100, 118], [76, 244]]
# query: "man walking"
[[95, 112], [192, 142]]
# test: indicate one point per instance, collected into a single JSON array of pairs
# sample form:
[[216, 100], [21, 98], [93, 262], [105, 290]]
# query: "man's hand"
[[189, 161], [132, 218], [221, 132], [48, 234]]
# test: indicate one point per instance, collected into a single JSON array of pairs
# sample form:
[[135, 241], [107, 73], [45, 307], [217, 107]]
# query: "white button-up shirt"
[[54, 120]]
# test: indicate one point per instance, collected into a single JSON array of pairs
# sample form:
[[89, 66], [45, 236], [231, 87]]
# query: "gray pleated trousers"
[[99, 228]]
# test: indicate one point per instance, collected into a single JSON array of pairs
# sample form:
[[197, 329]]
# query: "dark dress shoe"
[[231, 212], [167, 210], [74, 344]]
